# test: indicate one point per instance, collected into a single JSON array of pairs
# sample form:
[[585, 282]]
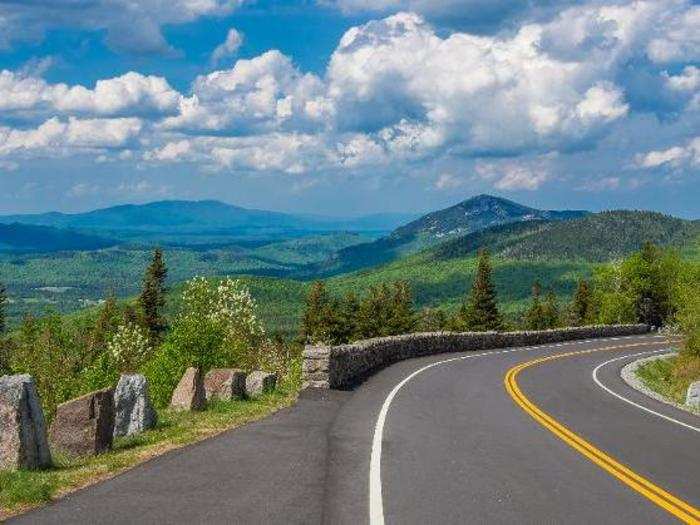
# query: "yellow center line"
[[677, 507]]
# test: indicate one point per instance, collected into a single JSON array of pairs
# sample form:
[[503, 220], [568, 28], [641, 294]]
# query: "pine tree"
[[314, 321], [402, 318], [535, 315], [152, 298], [480, 313], [581, 304], [348, 315], [550, 311], [3, 309]]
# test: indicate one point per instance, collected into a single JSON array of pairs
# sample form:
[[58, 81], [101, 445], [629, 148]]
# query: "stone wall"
[[344, 366]]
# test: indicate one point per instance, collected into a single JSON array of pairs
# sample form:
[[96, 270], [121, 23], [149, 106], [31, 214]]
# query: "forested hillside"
[[597, 237], [28, 238], [472, 215]]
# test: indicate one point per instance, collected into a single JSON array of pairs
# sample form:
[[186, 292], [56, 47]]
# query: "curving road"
[[525, 435]]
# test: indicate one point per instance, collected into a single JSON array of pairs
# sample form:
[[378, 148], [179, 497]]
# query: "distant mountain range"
[[472, 215], [17, 237], [191, 222]]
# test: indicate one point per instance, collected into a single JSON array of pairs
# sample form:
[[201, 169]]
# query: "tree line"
[[643, 288]]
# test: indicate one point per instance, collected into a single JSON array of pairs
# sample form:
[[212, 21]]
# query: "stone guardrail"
[[344, 366]]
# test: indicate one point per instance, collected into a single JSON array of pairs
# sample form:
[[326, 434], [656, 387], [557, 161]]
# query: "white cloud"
[[57, 136], [676, 156], [515, 175], [229, 48], [132, 26], [448, 181], [131, 93]]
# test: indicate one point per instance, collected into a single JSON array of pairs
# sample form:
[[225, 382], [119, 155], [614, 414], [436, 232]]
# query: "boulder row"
[[692, 398]]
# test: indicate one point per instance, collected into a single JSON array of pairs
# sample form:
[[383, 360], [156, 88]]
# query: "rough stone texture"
[[133, 411], [189, 393], [85, 426], [23, 441], [225, 383], [693, 397], [258, 382], [344, 366]]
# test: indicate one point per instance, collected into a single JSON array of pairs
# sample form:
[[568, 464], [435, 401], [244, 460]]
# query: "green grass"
[[670, 377], [25, 489]]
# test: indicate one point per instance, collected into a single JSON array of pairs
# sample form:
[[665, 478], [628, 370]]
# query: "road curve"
[[457, 447], [442, 439]]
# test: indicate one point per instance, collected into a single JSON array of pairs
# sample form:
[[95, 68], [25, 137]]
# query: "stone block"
[[84, 426], [258, 382], [133, 411], [23, 440], [189, 393], [225, 384]]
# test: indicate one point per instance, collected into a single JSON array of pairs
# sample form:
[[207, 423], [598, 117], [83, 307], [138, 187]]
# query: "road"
[[524, 435]]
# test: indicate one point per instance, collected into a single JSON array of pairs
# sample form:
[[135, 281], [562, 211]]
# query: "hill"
[[596, 237], [29, 238], [472, 215], [202, 221]]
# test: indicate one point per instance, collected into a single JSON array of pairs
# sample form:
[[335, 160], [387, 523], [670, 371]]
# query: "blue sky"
[[347, 107]]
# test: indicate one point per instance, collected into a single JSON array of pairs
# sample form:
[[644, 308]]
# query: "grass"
[[670, 377], [22, 490]]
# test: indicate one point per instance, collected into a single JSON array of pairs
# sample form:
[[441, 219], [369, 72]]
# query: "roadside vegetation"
[[215, 324]]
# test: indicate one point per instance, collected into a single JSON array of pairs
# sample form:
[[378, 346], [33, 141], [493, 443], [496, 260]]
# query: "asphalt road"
[[456, 447]]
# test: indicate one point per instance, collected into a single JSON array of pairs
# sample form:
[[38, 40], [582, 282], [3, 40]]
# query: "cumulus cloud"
[[130, 26], [57, 136], [131, 93], [515, 175], [229, 48], [676, 156]]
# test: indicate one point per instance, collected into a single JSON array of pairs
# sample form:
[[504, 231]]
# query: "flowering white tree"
[[217, 324], [128, 346]]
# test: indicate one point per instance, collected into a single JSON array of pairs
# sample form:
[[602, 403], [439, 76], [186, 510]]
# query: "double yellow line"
[[679, 508]]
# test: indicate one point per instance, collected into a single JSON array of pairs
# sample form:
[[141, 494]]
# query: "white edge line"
[[376, 501], [622, 398]]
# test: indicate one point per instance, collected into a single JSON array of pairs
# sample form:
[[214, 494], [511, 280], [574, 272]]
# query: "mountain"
[[182, 222], [29, 238], [596, 237], [472, 215]]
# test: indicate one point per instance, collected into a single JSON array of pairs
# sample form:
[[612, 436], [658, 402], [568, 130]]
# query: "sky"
[[349, 107]]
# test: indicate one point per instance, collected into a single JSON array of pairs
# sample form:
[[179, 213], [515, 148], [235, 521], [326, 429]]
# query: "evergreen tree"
[[402, 318], [550, 311], [152, 298], [535, 315], [3, 309], [480, 313], [652, 303], [581, 306], [348, 315], [374, 314], [320, 321]]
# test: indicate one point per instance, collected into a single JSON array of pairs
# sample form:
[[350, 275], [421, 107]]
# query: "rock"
[[189, 393], [23, 441], [225, 383], [85, 426], [133, 411], [693, 396], [258, 382]]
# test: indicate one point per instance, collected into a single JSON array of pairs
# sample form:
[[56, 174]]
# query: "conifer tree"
[[480, 313], [348, 314], [402, 318], [535, 316], [314, 323], [152, 298], [3, 309], [581, 304], [550, 311]]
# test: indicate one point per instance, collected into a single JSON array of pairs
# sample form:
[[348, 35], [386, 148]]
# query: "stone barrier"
[[692, 397], [259, 382], [189, 393], [23, 439], [133, 411], [225, 384], [344, 366], [84, 426]]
